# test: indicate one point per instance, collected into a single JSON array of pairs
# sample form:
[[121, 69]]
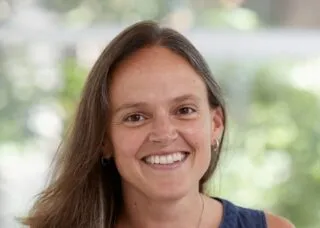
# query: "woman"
[[146, 138]]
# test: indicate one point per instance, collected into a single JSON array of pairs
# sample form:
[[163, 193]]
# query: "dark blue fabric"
[[239, 217]]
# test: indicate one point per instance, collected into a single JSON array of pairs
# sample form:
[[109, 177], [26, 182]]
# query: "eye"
[[186, 110], [134, 118]]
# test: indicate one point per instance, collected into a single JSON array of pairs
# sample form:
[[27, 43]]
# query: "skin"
[[159, 104], [274, 221]]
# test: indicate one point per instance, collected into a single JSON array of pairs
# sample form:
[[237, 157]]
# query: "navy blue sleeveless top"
[[239, 217]]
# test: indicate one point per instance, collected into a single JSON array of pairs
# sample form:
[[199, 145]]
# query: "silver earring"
[[216, 145]]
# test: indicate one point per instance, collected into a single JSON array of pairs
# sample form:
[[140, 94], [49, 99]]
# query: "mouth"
[[166, 159]]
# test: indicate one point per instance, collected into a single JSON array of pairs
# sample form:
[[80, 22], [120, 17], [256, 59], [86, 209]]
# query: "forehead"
[[155, 73]]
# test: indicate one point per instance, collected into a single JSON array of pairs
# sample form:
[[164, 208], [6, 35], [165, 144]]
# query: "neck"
[[142, 211]]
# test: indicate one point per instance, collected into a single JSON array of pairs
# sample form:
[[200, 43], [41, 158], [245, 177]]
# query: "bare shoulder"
[[274, 221]]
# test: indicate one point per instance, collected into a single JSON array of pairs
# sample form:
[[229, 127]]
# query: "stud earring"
[[105, 161]]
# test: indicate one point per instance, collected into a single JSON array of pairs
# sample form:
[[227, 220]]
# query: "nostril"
[[161, 137]]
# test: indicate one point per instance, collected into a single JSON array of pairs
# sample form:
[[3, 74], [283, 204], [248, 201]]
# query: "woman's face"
[[161, 124]]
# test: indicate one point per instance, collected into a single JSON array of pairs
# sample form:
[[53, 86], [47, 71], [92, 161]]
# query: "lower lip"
[[167, 166]]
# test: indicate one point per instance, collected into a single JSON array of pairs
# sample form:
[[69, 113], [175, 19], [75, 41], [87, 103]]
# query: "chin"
[[171, 192]]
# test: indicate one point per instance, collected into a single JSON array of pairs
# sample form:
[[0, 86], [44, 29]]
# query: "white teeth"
[[165, 159], [156, 159]]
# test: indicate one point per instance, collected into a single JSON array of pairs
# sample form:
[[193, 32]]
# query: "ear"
[[106, 150], [217, 126]]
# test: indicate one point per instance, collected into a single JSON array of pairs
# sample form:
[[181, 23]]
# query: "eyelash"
[[126, 119], [193, 110], [190, 111]]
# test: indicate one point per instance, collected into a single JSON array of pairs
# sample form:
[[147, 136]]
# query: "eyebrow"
[[130, 105], [186, 97], [178, 99]]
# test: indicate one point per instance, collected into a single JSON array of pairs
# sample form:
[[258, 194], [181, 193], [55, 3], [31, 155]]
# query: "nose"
[[163, 130]]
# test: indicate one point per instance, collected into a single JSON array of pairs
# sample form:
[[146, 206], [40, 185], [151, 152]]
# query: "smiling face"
[[161, 124]]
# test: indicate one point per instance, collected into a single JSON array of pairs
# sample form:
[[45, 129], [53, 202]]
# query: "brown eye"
[[134, 118], [186, 111]]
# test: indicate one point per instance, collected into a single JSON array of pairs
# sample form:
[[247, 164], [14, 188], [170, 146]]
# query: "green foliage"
[[111, 11], [74, 77], [293, 127], [60, 6], [14, 104], [272, 157], [282, 126], [228, 18]]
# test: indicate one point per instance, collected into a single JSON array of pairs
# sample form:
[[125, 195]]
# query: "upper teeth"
[[165, 159]]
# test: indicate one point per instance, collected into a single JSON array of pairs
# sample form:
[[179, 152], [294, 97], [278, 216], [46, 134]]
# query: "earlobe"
[[106, 154], [106, 148], [215, 145]]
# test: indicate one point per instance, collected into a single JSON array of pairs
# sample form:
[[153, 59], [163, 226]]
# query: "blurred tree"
[[207, 13], [19, 94], [13, 109], [73, 78], [275, 115], [289, 118], [282, 121], [111, 11]]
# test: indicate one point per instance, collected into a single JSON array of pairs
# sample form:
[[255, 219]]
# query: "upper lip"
[[164, 152]]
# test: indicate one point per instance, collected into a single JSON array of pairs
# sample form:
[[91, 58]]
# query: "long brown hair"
[[82, 192]]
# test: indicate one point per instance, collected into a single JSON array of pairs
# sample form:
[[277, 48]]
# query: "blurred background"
[[265, 54]]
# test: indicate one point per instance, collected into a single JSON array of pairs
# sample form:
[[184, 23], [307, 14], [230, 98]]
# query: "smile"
[[166, 159]]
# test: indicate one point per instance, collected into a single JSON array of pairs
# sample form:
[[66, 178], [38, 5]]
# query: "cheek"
[[199, 132], [126, 143], [198, 135]]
